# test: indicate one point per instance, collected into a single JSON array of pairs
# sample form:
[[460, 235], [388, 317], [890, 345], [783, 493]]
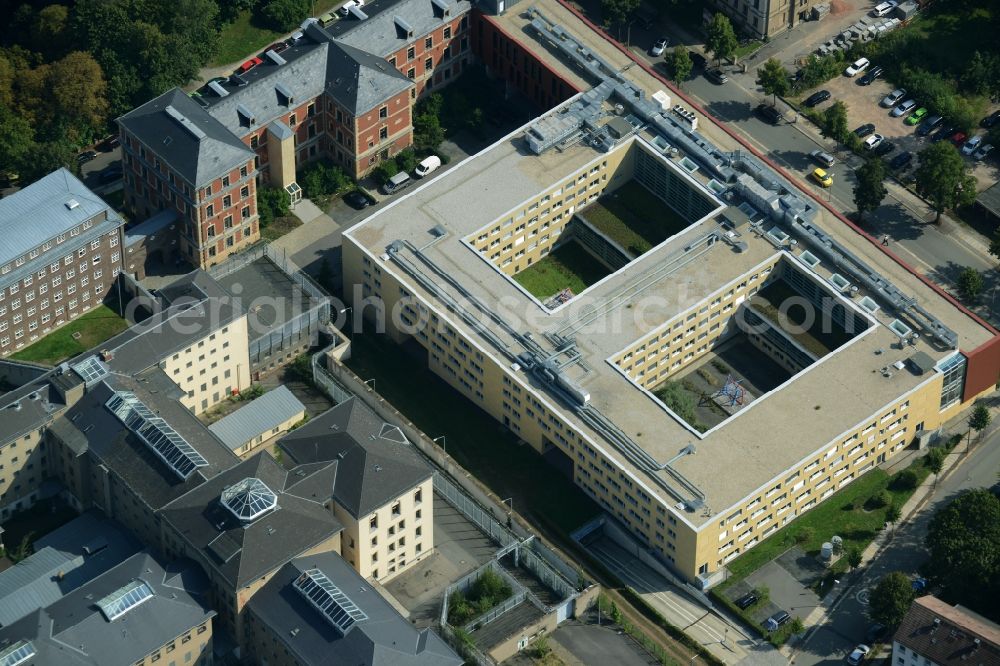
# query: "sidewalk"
[[913, 506]]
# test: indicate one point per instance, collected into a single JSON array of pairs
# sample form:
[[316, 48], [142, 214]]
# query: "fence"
[[472, 510], [518, 595]]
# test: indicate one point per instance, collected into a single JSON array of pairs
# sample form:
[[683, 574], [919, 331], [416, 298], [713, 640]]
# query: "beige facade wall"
[[524, 637], [392, 538], [194, 646], [765, 18], [251, 447], [23, 466], [282, 160], [213, 368]]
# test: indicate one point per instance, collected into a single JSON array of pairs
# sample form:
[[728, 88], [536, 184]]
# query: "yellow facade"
[[22, 469], [251, 447], [394, 537], [192, 647], [213, 368]]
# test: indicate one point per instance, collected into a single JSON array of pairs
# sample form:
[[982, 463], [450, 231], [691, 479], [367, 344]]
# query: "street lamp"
[[372, 380], [444, 443], [509, 501]]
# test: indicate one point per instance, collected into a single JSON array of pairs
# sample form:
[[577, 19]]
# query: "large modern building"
[[59, 255], [793, 405], [344, 93], [934, 633]]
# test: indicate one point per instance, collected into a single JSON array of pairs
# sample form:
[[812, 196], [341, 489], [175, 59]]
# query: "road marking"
[[863, 596]]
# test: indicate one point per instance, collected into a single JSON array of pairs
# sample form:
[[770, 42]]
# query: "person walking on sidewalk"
[[885, 239]]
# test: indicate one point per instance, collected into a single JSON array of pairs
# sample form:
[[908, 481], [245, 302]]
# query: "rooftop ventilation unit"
[[71, 204], [185, 122], [217, 88], [275, 58]]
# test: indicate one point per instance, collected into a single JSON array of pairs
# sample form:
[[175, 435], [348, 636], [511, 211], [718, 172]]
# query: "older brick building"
[[60, 250]]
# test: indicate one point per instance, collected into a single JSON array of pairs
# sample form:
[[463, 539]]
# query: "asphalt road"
[[847, 623], [939, 256]]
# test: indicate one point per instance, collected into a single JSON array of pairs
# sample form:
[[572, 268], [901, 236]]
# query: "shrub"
[[905, 480], [804, 535], [878, 500], [384, 171], [323, 178], [272, 202], [406, 160], [284, 15]]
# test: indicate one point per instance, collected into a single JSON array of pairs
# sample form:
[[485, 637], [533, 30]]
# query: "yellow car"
[[822, 177]]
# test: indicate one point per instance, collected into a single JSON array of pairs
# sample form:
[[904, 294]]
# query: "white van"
[[396, 183], [428, 165]]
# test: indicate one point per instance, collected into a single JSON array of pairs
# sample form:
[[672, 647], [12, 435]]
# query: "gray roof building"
[[946, 635], [392, 24], [360, 627], [367, 461], [193, 143], [259, 417], [81, 628], [64, 559], [989, 200], [250, 520]]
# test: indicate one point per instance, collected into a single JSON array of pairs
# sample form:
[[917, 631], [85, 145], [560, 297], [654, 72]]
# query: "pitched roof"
[[384, 31], [244, 551], [949, 634], [358, 80], [193, 143], [380, 635], [43, 210], [258, 417], [73, 630], [990, 199], [64, 559], [375, 461]]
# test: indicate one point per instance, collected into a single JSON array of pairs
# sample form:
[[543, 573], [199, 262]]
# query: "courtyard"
[[568, 266], [634, 218]]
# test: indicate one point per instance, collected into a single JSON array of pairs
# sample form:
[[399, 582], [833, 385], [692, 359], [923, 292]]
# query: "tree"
[[892, 515], [835, 121], [869, 188], [679, 64], [617, 11], [970, 283], [889, 600], [854, 558], [77, 94], [774, 79], [384, 171], [964, 543], [284, 15], [943, 178], [427, 132], [17, 138], [721, 39], [934, 461], [979, 420], [272, 203]]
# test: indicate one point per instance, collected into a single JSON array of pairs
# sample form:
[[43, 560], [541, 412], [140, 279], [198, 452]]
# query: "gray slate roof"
[[258, 417], [39, 213], [199, 155], [358, 80], [379, 33], [990, 199], [384, 638], [243, 553], [374, 461], [73, 630], [65, 559]]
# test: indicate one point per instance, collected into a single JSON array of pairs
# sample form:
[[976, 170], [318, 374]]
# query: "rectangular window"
[[429, 43]]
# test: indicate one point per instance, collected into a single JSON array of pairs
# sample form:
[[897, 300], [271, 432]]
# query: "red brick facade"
[[434, 59]]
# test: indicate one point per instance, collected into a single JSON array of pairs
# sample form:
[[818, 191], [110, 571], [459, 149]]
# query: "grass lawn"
[[634, 217], [952, 36], [279, 227], [823, 334], [94, 327], [473, 438], [748, 48], [842, 514], [241, 39], [567, 266]]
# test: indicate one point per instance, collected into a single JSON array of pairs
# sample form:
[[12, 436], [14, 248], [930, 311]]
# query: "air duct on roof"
[[217, 88], [71, 204], [274, 57]]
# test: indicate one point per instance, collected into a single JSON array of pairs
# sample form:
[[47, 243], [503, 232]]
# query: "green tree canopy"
[[943, 177], [869, 187], [721, 39], [679, 64], [964, 543], [284, 15], [889, 600], [835, 121], [618, 11], [774, 79], [980, 418], [970, 283]]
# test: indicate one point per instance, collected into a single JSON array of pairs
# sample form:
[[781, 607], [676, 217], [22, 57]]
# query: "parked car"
[[884, 148], [659, 47], [942, 133], [326, 19], [768, 113], [822, 177], [816, 98], [237, 80], [110, 174], [958, 138], [873, 142], [772, 623], [398, 182], [904, 108], [919, 584], [747, 600], [876, 632], [109, 143], [824, 158], [249, 64], [346, 9], [427, 165], [858, 655], [982, 152], [990, 120], [972, 145], [277, 47], [716, 76], [870, 76], [916, 116], [901, 160], [883, 8], [892, 99], [864, 130], [358, 199], [929, 125], [858, 66], [86, 156]]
